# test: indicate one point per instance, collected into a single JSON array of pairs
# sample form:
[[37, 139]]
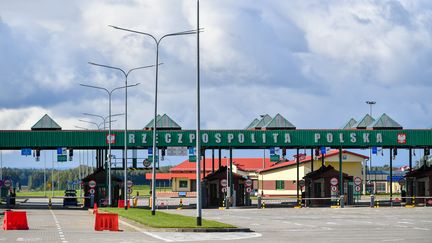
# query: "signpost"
[[129, 183], [192, 155], [146, 163], [26, 151], [129, 191], [301, 183], [357, 181], [357, 188], [92, 184], [92, 191], [248, 189], [334, 188], [177, 151], [7, 183], [334, 181], [248, 183], [224, 183], [61, 154]]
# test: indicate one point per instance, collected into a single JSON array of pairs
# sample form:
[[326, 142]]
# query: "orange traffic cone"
[[95, 208]]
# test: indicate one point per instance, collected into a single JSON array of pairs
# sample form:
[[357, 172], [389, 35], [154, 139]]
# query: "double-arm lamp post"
[[109, 139], [157, 42], [126, 75]]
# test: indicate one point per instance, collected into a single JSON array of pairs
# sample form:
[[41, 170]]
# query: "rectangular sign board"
[[26, 151], [61, 158], [177, 151]]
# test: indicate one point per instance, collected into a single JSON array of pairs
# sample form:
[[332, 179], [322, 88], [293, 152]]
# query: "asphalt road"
[[270, 225]]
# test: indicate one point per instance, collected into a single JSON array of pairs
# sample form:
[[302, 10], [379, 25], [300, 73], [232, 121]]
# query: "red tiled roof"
[[245, 164], [169, 176], [308, 159]]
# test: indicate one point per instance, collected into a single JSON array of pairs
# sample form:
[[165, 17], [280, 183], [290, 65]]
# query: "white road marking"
[[144, 232], [332, 223], [193, 236], [421, 228], [59, 229], [404, 222], [392, 240]]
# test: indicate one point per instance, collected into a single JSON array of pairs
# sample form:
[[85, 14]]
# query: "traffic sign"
[[92, 184], [248, 189], [302, 183], [177, 151], [26, 151], [224, 182], [357, 188], [402, 182], [92, 191], [248, 182], [334, 188], [129, 190], [224, 189], [129, 183], [146, 163], [334, 181], [7, 183], [357, 181]]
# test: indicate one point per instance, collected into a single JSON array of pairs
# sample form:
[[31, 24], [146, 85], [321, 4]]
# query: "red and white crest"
[[401, 138]]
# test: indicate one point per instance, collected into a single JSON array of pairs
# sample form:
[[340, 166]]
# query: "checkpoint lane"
[[328, 225], [67, 226]]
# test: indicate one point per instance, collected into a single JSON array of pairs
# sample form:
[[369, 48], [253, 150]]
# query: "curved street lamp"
[[126, 75], [157, 42], [109, 92], [103, 118]]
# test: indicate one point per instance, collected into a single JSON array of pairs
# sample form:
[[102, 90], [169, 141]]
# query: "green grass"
[[144, 190], [39, 193], [164, 220]]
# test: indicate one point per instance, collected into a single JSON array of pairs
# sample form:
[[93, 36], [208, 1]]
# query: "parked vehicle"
[[70, 198]]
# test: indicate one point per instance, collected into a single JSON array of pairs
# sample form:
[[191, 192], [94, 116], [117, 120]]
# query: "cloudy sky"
[[314, 62]]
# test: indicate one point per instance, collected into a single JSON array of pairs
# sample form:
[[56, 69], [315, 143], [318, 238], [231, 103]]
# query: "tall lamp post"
[[103, 118], [126, 75], [371, 103], [109, 140], [157, 42]]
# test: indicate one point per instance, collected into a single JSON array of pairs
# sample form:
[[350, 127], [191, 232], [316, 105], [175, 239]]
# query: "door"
[[193, 185]]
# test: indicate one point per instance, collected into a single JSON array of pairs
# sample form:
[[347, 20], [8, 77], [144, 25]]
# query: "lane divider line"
[[144, 232], [59, 229]]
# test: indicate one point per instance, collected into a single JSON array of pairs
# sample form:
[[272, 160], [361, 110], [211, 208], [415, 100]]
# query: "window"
[[380, 187], [183, 184], [280, 185]]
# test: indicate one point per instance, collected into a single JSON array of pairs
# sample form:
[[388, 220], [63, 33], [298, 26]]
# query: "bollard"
[[259, 201], [92, 199], [372, 201], [342, 201], [263, 205], [180, 204], [49, 202], [223, 205], [8, 201], [227, 202]]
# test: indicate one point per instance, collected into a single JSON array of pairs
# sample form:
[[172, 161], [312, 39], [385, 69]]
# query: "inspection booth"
[[214, 193], [101, 193], [419, 185], [322, 191]]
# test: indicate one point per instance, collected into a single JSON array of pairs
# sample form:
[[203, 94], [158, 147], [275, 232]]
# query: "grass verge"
[[163, 220]]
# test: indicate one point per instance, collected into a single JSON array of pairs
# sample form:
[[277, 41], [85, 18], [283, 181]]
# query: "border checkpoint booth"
[[419, 185], [101, 194], [213, 196], [317, 185]]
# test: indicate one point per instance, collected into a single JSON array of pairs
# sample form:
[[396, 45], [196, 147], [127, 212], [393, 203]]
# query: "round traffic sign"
[[357, 180], [92, 191], [129, 190], [248, 189], [146, 163], [301, 183], [334, 181], [402, 182], [248, 182], [357, 188], [224, 182], [129, 183], [224, 189], [92, 184], [334, 188], [7, 183]]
